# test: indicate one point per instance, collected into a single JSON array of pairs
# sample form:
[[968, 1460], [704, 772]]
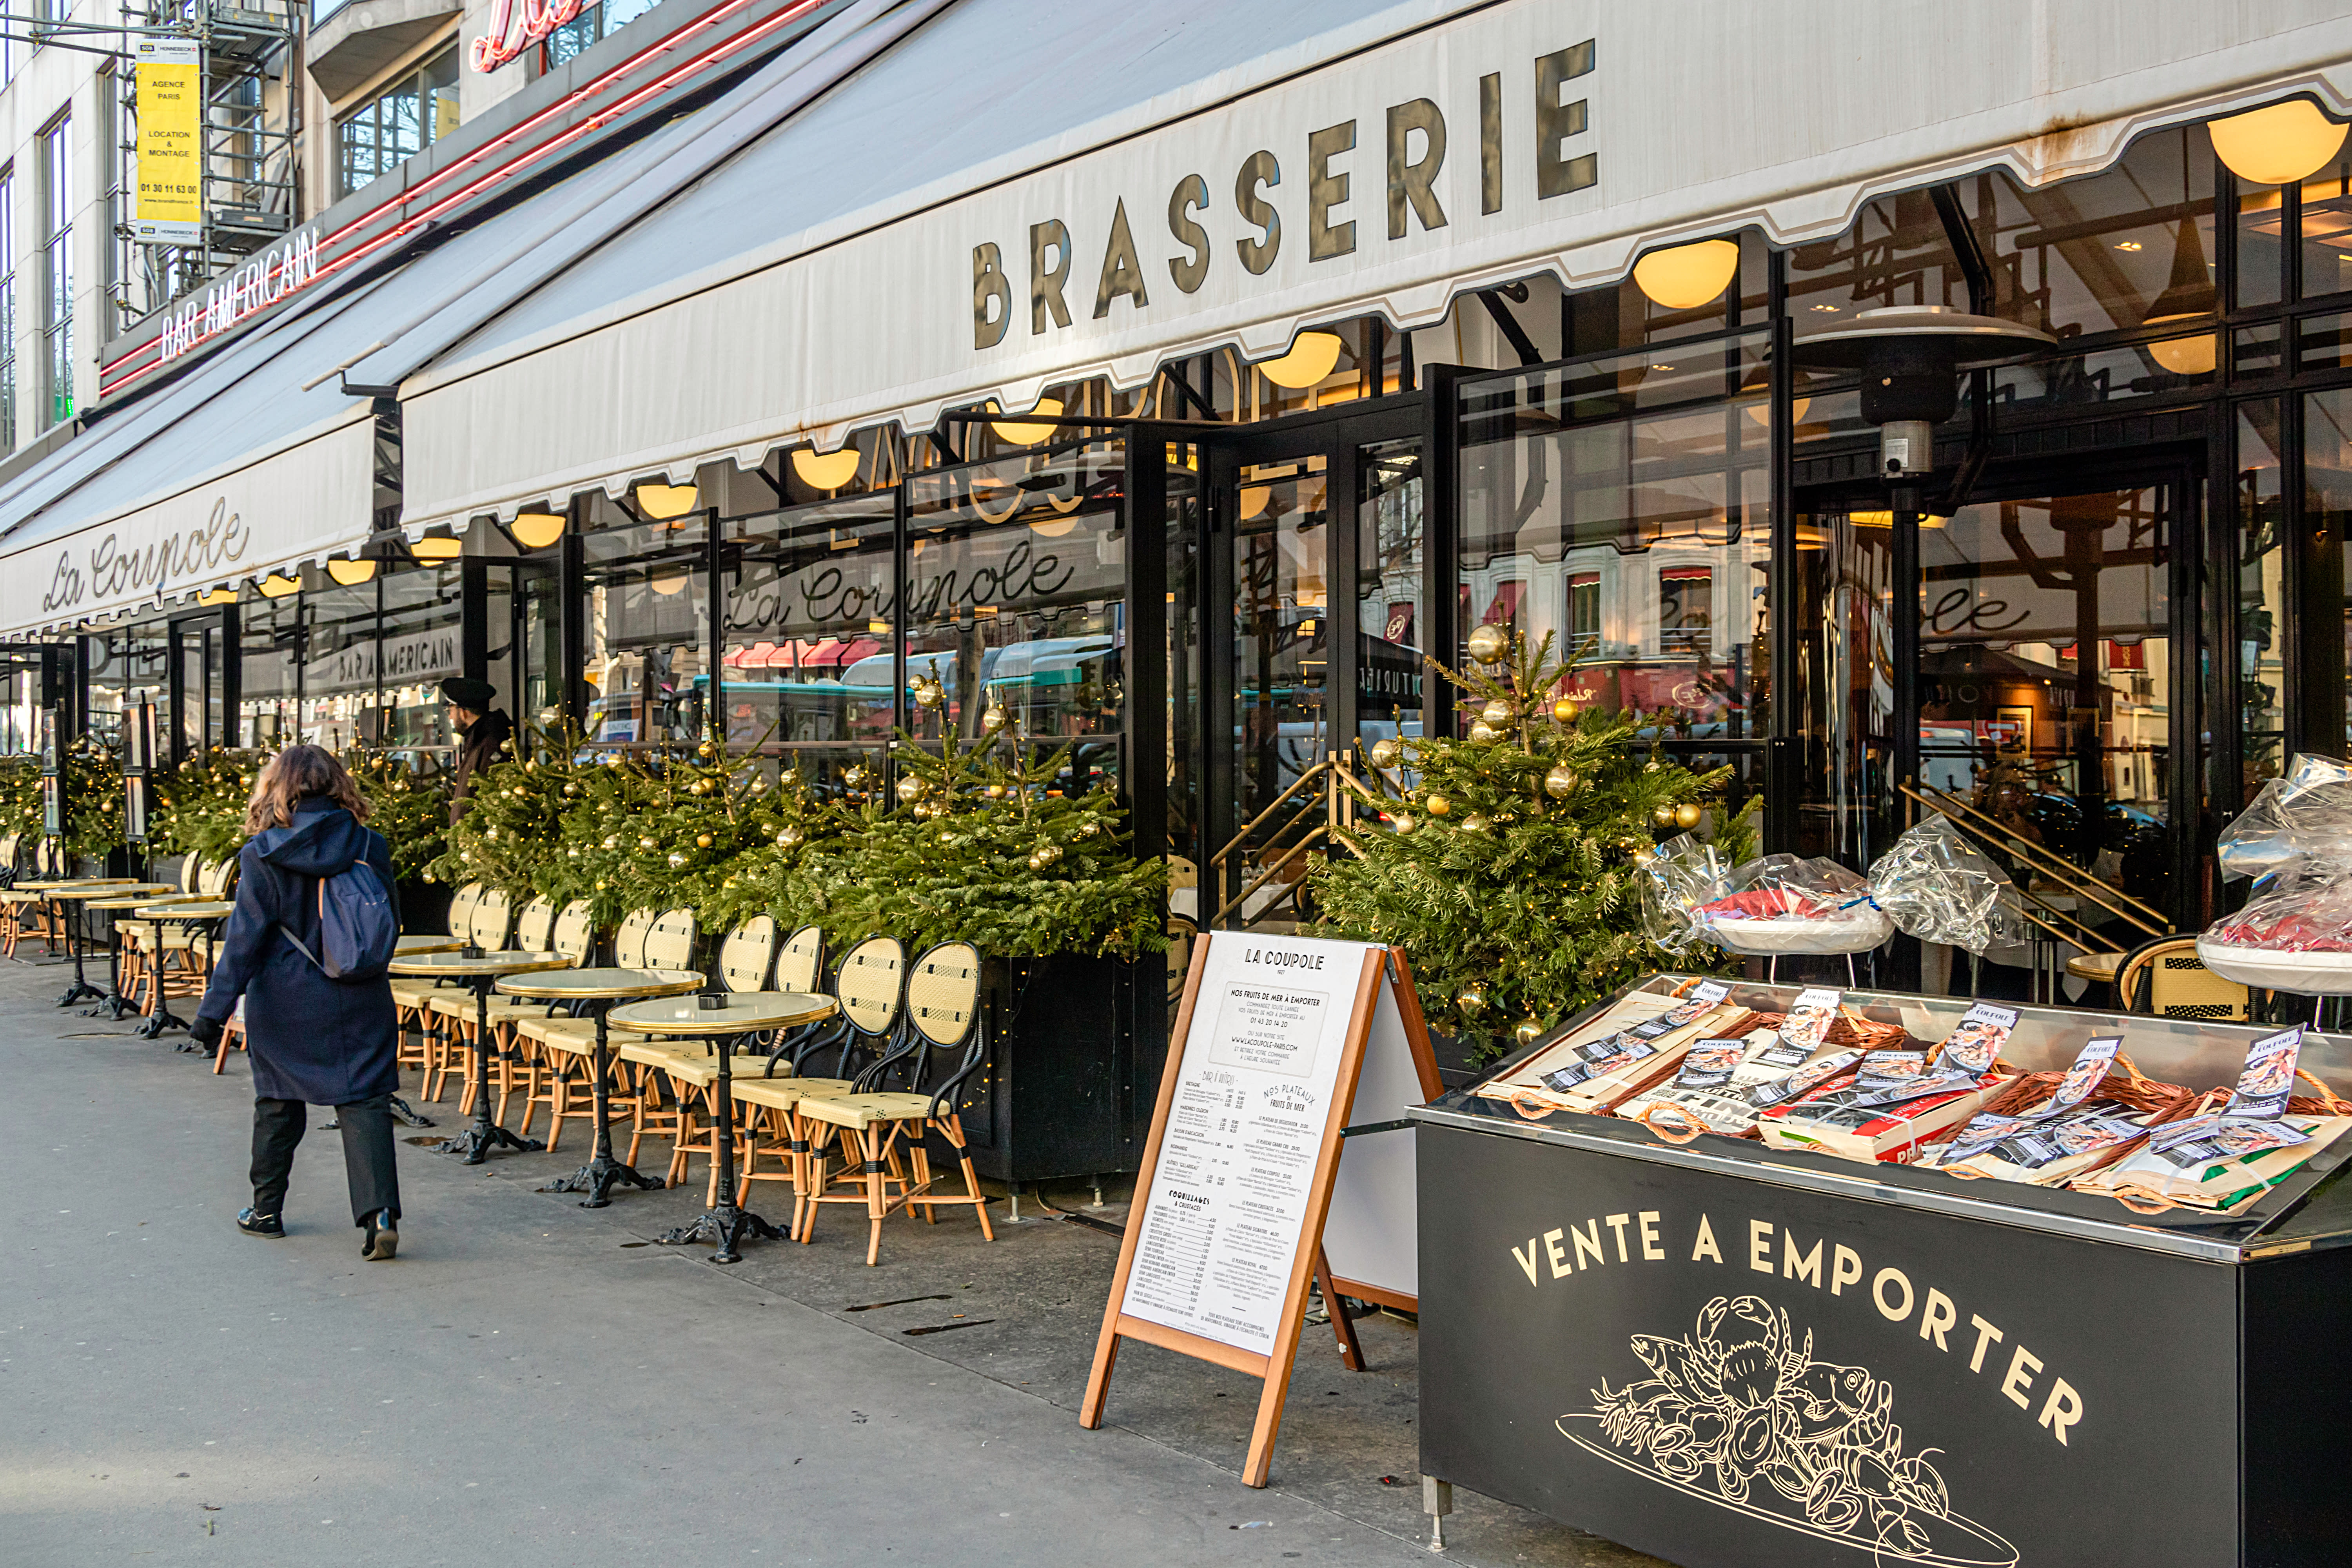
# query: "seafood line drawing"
[[1738, 1414]]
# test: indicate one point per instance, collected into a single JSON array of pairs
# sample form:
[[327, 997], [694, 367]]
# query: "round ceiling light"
[[537, 530], [664, 501], [2279, 144], [1310, 359], [350, 574], [1030, 433], [825, 470], [1687, 276]]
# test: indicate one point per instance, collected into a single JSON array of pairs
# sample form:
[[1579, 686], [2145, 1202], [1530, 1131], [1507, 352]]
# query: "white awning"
[[826, 278]]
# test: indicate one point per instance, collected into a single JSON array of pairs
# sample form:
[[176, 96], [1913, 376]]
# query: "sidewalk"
[[531, 1383]]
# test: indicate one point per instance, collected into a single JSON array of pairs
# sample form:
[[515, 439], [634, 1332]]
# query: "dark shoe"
[[254, 1224], [383, 1237]]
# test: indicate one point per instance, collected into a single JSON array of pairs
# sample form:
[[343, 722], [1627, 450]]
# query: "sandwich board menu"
[[1238, 1171]]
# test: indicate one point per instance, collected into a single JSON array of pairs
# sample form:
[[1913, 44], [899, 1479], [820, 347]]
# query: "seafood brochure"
[[1807, 1027], [1702, 999], [1975, 1043], [1982, 1134], [1709, 1064], [2219, 1176], [2035, 1147], [1604, 1055], [2269, 1074], [2202, 1140], [1806, 1079]]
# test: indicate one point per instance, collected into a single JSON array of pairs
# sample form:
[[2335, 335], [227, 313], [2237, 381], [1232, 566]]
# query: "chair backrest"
[[747, 954], [535, 928], [670, 943], [868, 984], [800, 965], [8, 851], [943, 1010], [2167, 979], [461, 911], [575, 933], [49, 857], [214, 883], [493, 919], [192, 872], [629, 940]]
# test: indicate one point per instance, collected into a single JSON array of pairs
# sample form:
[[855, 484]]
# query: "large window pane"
[[2328, 482], [268, 633], [807, 656], [2262, 597], [648, 629]]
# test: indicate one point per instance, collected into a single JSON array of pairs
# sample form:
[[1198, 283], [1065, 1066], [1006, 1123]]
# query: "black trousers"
[[367, 1153]]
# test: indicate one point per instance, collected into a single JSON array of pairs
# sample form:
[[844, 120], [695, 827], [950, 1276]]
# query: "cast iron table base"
[[726, 1224], [484, 1134], [81, 990], [602, 1172]]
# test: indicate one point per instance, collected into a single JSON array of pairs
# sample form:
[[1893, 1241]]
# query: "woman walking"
[[313, 1040]]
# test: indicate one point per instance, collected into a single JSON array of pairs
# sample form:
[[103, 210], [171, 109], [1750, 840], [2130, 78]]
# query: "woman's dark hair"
[[295, 775]]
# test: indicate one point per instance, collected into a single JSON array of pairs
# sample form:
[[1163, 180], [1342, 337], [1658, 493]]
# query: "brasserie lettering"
[[213, 546], [1412, 141]]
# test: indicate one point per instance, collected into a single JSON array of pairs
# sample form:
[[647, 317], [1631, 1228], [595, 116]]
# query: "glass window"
[[2328, 229], [593, 22], [648, 627], [1895, 253], [338, 705], [7, 310], [420, 646], [2327, 481], [806, 659], [267, 635], [1621, 507], [1845, 694], [403, 119], [2262, 598], [1015, 598], [57, 272], [127, 668], [1390, 621]]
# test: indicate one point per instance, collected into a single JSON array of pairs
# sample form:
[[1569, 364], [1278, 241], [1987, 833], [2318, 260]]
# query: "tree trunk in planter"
[[1070, 1079]]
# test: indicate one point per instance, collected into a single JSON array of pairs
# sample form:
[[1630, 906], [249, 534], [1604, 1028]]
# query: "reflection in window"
[[2262, 597], [398, 123], [2328, 229], [593, 23], [1622, 508], [1388, 566], [127, 668], [268, 630], [648, 620], [2328, 479], [1016, 576]]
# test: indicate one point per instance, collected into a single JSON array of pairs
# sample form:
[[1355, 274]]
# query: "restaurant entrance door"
[[1315, 613]]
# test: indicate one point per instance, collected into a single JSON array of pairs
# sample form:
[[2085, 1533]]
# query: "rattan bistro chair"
[[2167, 978], [567, 1045], [945, 1039], [456, 1013], [674, 1077], [412, 997]]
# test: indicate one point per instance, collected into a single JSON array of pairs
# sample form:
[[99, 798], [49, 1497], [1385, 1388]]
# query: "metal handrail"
[[1251, 826], [2062, 871], [1321, 830]]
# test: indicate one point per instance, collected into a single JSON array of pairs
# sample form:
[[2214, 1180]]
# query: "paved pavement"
[[531, 1382]]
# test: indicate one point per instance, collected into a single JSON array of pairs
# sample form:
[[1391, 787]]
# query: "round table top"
[[117, 899], [594, 985], [414, 944], [452, 962], [198, 909], [2100, 966], [746, 1012], [65, 884]]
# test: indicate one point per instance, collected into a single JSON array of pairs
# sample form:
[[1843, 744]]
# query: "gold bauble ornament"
[[612, 841], [705, 750], [491, 832], [1561, 782], [1651, 766], [910, 789], [612, 759], [466, 856], [1089, 829], [788, 839], [1404, 822], [1471, 998], [994, 718], [1473, 823], [1048, 853], [645, 842], [1498, 712], [1483, 733], [1437, 805], [996, 792], [1663, 816], [1489, 643], [1564, 708], [600, 884], [702, 841], [699, 786], [930, 694], [1686, 815], [1528, 1032], [1386, 752], [675, 859], [1035, 864], [569, 787]]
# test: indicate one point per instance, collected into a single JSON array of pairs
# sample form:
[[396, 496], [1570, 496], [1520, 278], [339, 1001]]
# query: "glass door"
[[1314, 601]]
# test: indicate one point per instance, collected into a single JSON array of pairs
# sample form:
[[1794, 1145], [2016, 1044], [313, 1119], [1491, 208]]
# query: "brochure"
[[1809, 1017], [2269, 1075], [1702, 998], [1976, 1041]]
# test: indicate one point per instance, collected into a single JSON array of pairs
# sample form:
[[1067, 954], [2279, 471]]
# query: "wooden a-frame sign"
[[1237, 1174]]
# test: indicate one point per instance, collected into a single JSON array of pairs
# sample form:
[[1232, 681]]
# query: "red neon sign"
[[501, 47]]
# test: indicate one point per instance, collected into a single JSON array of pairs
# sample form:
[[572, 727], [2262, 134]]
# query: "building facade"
[[1180, 410]]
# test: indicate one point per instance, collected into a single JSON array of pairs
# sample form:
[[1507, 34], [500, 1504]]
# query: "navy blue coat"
[[311, 1038]]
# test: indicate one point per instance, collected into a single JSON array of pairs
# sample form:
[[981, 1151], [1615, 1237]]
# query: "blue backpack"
[[358, 927]]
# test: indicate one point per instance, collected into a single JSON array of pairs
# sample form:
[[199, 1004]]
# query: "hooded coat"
[[310, 1038]]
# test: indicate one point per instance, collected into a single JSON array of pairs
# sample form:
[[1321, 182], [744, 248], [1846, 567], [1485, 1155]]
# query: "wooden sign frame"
[[1273, 1369]]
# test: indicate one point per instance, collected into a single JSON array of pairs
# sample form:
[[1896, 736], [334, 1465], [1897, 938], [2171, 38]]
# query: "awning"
[[870, 260], [236, 469]]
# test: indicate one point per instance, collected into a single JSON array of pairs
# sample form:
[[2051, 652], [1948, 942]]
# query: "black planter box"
[[1075, 1046]]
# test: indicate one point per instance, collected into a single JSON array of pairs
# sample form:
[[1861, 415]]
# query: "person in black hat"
[[485, 729]]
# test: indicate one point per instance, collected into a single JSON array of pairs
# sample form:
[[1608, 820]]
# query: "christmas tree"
[[987, 848], [410, 809], [199, 807], [1504, 869]]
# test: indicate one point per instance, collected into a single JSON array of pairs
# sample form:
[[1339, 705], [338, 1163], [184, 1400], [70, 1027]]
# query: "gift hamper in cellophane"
[[1785, 904], [2295, 840]]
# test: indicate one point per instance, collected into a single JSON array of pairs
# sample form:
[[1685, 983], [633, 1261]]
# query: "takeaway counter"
[[1741, 1274]]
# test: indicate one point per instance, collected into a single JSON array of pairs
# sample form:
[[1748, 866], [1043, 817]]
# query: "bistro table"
[[597, 990], [119, 902], [175, 911], [479, 971], [736, 1014], [409, 946], [60, 892]]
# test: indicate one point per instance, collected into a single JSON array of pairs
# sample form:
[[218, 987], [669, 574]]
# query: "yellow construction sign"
[[170, 208]]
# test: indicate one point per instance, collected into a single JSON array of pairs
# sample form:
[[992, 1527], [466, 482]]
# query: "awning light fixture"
[[826, 470], [663, 502], [1687, 276], [1029, 434], [351, 573], [1310, 359], [2278, 144], [537, 530]]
